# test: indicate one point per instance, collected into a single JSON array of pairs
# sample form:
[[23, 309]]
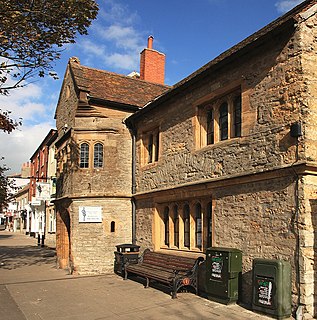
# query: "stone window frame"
[[199, 237], [98, 155], [215, 126], [150, 149], [84, 156], [91, 155]]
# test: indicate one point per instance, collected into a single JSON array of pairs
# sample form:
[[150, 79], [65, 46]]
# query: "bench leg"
[[125, 275], [174, 289], [147, 283]]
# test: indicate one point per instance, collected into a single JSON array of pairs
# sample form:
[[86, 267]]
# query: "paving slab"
[[32, 288]]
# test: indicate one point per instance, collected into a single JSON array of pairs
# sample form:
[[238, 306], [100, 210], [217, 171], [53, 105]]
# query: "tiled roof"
[[114, 87]]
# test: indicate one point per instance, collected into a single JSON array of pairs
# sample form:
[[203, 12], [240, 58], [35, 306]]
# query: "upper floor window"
[[84, 155], [151, 140], [220, 119], [98, 155], [237, 116], [223, 121]]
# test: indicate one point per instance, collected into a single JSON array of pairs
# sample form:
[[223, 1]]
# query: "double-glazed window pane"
[[210, 127], [237, 116], [84, 155], [209, 225], [153, 147], [186, 226], [166, 226], [150, 149], [98, 155], [223, 121], [176, 226], [198, 227]]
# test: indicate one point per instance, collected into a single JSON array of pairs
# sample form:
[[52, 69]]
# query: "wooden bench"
[[174, 271]]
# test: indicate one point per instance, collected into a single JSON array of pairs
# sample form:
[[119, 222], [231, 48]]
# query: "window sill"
[[219, 144], [182, 252], [149, 165]]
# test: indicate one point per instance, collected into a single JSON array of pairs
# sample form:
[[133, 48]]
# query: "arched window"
[[166, 226], [186, 226], [209, 225], [237, 116], [198, 227], [98, 155], [176, 226], [84, 155], [223, 121]]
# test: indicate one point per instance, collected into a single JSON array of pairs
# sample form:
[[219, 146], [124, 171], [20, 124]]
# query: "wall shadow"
[[14, 257]]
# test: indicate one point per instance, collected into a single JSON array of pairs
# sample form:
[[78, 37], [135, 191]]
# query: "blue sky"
[[190, 33]]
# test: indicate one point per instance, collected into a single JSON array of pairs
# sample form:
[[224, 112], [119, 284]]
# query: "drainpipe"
[[133, 132]]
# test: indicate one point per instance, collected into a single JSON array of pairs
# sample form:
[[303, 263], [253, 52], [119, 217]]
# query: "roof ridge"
[[76, 65]]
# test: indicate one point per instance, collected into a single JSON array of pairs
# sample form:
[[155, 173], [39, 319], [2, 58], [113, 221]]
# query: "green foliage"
[[33, 32], [6, 123], [5, 186]]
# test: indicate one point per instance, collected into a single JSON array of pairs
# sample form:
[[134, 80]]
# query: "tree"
[[5, 185], [32, 34]]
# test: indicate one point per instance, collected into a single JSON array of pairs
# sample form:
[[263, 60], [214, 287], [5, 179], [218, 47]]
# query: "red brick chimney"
[[152, 64]]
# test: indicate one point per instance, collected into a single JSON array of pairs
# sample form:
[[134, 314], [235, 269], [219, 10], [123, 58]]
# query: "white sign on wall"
[[90, 214], [43, 191]]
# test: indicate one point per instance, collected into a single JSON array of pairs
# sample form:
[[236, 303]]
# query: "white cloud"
[[26, 103], [286, 5], [23, 103], [18, 146], [123, 61], [114, 39]]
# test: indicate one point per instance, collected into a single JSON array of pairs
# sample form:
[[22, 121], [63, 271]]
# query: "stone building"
[[227, 157], [94, 159]]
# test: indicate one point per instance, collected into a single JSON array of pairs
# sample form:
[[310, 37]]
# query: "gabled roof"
[[285, 21], [47, 140], [113, 87]]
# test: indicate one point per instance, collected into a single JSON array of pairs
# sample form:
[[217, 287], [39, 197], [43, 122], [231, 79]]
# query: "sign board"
[[43, 191], [90, 214], [35, 202], [216, 266], [264, 291]]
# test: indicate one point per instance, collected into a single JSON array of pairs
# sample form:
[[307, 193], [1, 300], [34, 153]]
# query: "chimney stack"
[[152, 64]]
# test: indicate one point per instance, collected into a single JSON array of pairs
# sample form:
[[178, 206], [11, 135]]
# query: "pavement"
[[32, 288]]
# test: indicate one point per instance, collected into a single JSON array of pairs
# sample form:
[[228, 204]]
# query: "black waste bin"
[[126, 252], [272, 287], [223, 273]]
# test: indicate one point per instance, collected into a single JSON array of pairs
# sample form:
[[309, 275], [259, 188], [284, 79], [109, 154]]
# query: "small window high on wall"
[[150, 146]]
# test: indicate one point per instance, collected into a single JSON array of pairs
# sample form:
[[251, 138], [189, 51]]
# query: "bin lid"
[[222, 249], [127, 245]]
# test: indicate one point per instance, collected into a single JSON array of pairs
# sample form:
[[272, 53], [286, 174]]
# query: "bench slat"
[[173, 270]]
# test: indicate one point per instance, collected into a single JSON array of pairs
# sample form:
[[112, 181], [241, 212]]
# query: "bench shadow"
[[158, 285]]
